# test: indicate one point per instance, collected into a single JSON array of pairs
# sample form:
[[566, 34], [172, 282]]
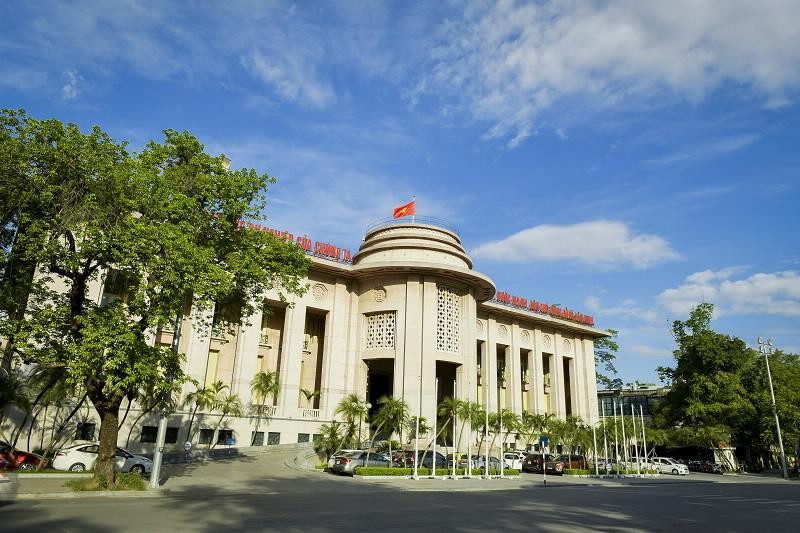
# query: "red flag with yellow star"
[[405, 210]]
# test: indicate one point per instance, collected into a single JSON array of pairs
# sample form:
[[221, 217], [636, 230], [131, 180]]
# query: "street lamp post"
[[368, 406], [767, 348]]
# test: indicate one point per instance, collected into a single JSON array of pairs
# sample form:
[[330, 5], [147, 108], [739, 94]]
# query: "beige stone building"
[[407, 311]]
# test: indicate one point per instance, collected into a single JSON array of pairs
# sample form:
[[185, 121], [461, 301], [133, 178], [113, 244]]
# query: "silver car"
[[82, 457], [347, 464]]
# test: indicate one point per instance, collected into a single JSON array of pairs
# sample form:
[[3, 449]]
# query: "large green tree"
[[706, 382], [170, 221], [605, 351]]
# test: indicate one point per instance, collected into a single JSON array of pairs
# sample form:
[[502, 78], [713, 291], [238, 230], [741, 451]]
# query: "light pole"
[[767, 348], [367, 406]]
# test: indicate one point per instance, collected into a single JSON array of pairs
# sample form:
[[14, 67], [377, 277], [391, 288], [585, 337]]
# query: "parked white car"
[[512, 460], [669, 466], [82, 457]]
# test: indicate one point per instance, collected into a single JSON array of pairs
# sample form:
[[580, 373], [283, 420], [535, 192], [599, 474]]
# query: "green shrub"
[[321, 467], [576, 472], [124, 481], [386, 471]]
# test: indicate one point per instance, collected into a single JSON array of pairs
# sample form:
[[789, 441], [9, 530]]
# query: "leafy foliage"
[[605, 351], [170, 221]]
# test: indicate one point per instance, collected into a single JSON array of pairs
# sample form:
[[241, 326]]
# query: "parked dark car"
[[20, 460], [563, 462], [406, 458], [533, 462], [347, 464]]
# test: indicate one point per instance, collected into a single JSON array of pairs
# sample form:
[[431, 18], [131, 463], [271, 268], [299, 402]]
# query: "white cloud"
[[643, 350], [70, 89], [292, 78], [627, 309], [775, 293], [508, 62], [705, 151], [602, 243]]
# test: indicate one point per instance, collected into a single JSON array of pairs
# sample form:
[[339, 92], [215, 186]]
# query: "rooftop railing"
[[429, 221]]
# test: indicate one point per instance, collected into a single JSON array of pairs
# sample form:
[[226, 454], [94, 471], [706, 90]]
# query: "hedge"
[[399, 471], [576, 472]]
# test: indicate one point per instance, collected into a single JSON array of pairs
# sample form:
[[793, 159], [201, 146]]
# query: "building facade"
[[407, 316]]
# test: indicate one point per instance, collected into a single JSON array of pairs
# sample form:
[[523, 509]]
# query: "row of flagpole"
[[487, 456]]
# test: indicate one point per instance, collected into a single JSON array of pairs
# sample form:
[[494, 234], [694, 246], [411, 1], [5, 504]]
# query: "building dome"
[[419, 247]]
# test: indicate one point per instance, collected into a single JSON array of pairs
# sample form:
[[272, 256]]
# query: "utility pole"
[[767, 349], [163, 412]]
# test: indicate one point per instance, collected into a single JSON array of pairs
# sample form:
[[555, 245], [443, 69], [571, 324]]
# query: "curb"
[[150, 493], [54, 476]]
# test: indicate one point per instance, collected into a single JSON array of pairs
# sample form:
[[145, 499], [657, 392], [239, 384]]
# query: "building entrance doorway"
[[380, 382]]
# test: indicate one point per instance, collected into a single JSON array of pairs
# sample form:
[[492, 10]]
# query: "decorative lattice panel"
[[448, 320], [381, 330]]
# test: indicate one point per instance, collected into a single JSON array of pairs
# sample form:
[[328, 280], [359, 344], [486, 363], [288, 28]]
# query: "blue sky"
[[625, 159]]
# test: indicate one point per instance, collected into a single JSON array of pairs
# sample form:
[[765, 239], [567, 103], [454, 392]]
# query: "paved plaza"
[[257, 493]]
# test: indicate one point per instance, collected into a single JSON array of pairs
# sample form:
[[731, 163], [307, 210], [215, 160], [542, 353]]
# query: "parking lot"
[[262, 493]]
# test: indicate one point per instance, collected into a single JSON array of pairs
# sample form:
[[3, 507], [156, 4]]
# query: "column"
[[291, 356], [538, 373], [407, 369], [591, 379], [557, 371], [515, 370], [246, 358], [428, 361], [198, 340], [334, 358], [490, 366]]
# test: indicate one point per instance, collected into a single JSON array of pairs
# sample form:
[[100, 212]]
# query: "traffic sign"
[[544, 441]]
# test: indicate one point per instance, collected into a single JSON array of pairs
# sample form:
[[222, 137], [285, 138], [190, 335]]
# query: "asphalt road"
[[260, 494]]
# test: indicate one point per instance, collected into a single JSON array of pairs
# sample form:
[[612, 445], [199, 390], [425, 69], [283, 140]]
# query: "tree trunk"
[[30, 428], [258, 423], [108, 409], [191, 421]]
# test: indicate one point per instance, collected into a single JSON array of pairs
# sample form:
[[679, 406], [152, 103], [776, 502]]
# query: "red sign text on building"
[[321, 249], [538, 307]]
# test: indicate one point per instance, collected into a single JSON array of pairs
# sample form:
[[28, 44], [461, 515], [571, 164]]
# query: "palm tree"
[[392, 415], [309, 396], [228, 405], [411, 427], [354, 410], [463, 414], [13, 391], [205, 398], [478, 421], [330, 439], [510, 423], [449, 408], [263, 384]]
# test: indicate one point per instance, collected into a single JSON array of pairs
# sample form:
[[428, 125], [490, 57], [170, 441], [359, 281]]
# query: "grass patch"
[[124, 481], [321, 467]]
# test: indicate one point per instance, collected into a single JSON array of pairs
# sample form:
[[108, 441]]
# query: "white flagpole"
[[502, 444], [414, 216], [435, 417], [455, 419], [486, 435], [635, 442], [624, 440], [644, 435], [616, 440], [605, 443], [594, 438], [416, 432]]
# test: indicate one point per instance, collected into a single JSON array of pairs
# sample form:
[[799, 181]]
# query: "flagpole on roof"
[[414, 199]]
